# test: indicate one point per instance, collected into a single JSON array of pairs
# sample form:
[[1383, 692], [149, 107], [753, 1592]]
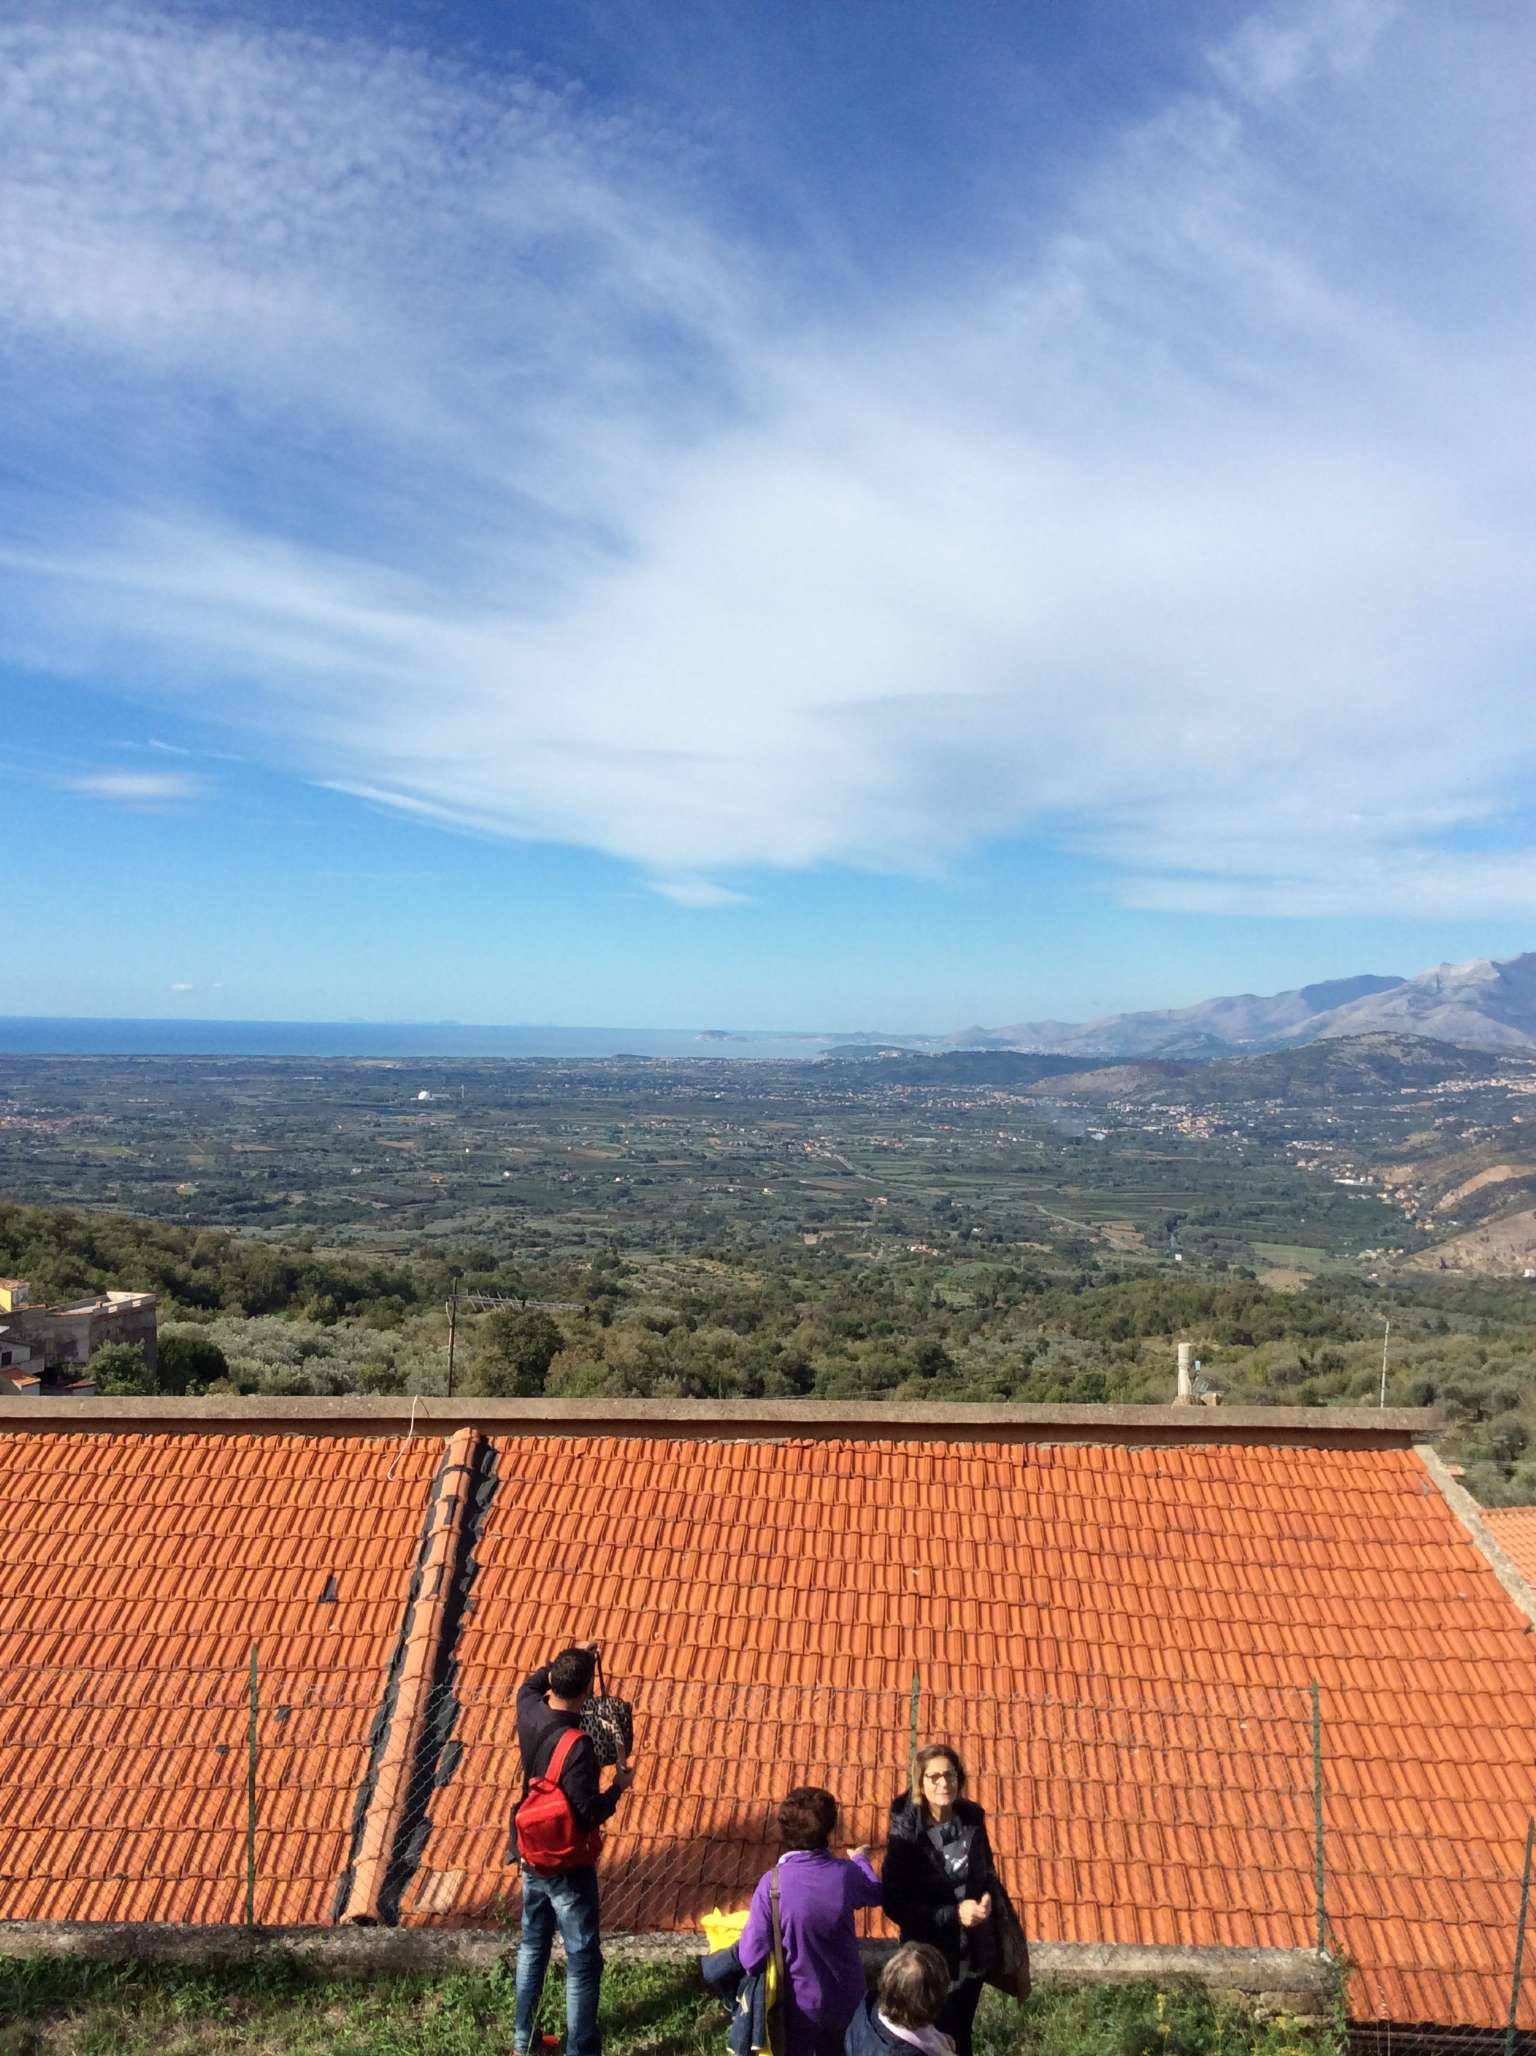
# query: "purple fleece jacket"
[[819, 1893]]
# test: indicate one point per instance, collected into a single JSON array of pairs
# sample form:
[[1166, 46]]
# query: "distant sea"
[[23, 1035]]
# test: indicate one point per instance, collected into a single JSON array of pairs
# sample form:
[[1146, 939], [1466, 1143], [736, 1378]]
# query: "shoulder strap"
[[554, 1770], [778, 1984]]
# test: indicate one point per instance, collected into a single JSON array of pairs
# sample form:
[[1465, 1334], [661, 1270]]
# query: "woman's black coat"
[[919, 1896]]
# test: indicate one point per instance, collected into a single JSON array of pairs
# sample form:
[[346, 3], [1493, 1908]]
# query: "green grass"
[[59, 2007]]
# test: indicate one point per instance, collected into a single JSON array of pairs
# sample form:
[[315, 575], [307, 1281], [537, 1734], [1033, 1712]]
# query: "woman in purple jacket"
[[819, 1893]]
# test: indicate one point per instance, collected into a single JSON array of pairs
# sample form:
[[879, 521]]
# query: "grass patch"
[[278, 2007], [1280, 1280], [1299, 1256]]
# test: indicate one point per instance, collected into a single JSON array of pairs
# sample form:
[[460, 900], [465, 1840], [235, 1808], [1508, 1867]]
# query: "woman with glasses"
[[939, 1881]]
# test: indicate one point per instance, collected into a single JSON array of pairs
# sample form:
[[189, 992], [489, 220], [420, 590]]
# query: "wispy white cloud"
[[1414, 883], [1273, 53], [155, 747], [137, 788], [699, 892], [1191, 528]]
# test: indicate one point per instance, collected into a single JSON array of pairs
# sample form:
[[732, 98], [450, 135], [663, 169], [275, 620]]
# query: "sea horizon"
[[126, 1036]]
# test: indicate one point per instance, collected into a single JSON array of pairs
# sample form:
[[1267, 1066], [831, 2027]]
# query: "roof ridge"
[[418, 1657], [1474, 1519]]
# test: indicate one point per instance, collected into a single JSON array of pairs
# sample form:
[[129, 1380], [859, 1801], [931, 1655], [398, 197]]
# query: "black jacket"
[[539, 1728], [919, 1897]]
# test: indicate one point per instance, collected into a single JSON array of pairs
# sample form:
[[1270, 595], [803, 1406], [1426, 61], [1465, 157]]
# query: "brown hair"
[[914, 1985], [807, 1816], [920, 1763]]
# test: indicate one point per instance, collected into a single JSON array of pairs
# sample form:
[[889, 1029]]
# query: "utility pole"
[[453, 1327], [1386, 1338]]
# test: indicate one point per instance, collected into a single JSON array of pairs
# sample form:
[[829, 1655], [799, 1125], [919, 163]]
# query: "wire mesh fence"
[[1260, 1819], [131, 1796]]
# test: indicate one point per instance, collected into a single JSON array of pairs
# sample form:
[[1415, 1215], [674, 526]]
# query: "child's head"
[[914, 1985]]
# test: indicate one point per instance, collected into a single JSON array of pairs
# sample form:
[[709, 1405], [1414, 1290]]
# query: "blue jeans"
[[568, 1901]]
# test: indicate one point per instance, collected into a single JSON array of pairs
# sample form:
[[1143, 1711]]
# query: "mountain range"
[[1487, 1004]]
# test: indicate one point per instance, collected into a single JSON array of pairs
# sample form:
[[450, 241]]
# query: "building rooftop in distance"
[[1117, 1614], [97, 1300]]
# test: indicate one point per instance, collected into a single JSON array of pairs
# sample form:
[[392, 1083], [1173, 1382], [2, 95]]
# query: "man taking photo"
[[556, 1835]]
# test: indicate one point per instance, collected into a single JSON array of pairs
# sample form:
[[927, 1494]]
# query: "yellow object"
[[721, 1929]]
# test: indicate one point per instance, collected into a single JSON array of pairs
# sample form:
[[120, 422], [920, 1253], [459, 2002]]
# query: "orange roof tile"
[[1514, 1529], [1121, 1637], [1122, 1640], [139, 1571]]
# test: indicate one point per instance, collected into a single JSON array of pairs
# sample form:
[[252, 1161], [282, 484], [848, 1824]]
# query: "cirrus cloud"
[[137, 788], [515, 486]]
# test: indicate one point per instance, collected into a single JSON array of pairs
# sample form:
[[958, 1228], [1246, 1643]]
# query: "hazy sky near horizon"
[[802, 514]]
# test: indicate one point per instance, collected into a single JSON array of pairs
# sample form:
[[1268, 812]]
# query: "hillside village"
[[1427, 1145]]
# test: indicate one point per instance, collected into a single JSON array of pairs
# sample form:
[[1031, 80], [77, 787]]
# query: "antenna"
[[453, 1327], [1386, 1338]]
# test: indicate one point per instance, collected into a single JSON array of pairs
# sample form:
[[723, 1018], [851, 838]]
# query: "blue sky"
[[819, 515]]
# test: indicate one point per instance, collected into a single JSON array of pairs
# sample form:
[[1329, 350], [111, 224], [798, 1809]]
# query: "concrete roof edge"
[[1470, 1514], [727, 1418], [372, 1951]]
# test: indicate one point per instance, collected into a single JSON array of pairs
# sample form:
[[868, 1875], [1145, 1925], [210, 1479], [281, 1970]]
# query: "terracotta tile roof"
[[1121, 1639], [1514, 1529], [138, 1571]]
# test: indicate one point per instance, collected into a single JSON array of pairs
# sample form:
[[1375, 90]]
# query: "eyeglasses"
[[940, 1777]]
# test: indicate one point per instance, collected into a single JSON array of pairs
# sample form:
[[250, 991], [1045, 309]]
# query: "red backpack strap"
[[554, 1770]]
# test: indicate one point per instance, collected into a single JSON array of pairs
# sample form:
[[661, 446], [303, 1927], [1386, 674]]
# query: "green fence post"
[[250, 1798], [1317, 1818], [917, 1690], [1525, 1906]]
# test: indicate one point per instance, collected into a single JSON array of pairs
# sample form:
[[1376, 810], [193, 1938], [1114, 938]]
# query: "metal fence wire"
[[1237, 1820]]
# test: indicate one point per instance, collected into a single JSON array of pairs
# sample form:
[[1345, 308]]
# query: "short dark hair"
[[572, 1673], [807, 1816], [914, 1985]]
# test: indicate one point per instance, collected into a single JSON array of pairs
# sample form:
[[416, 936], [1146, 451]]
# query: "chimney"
[[1185, 1394]]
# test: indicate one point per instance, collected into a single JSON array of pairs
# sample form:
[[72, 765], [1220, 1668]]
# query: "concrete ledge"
[[1292, 1980], [734, 1420], [350, 1951], [1301, 1973], [1470, 1514]]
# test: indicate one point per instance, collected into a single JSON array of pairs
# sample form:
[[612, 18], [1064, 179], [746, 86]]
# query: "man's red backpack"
[[548, 1838]]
